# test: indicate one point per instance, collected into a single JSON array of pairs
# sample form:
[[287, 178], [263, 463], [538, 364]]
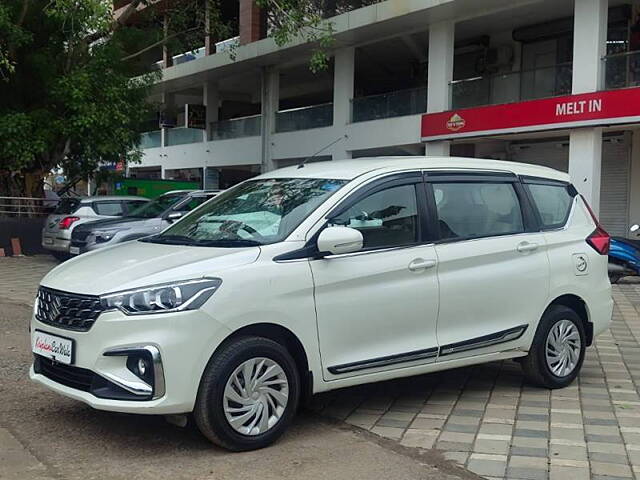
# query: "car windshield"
[[156, 207], [256, 212]]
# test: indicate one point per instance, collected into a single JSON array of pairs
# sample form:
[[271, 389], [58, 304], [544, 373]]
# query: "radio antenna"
[[301, 164]]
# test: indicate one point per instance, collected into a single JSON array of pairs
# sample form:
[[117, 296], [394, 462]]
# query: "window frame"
[[571, 190], [424, 234], [530, 222]]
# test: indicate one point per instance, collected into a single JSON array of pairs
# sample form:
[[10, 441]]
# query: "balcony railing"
[[387, 105], [236, 128], [509, 87], [304, 118], [622, 70], [181, 136], [151, 139]]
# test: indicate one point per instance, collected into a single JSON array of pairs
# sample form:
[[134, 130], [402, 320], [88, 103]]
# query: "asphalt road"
[[46, 436]]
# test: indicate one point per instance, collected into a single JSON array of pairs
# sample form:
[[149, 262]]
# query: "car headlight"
[[163, 298]]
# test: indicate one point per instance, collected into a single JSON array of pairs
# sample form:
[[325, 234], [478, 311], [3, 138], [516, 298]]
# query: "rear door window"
[[553, 203], [113, 209], [474, 210]]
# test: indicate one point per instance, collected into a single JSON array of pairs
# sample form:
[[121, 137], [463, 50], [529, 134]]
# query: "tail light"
[[66, 222], [599, 239]]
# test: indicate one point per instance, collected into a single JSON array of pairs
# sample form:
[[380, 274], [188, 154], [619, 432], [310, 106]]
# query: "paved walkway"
[[485, 418]]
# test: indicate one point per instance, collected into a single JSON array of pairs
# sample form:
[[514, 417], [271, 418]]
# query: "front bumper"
[[184, 340]]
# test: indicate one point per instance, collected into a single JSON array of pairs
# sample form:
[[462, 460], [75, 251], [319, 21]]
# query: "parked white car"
[[304, 280], [74, 211]]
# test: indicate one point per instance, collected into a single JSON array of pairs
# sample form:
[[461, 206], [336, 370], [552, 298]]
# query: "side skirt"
[[432, 353]]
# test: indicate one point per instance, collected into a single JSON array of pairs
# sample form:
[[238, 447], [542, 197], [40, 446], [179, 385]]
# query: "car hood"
[[120, 222], [138, 264]]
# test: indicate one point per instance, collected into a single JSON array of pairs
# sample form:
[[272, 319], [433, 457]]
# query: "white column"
[[270, 105], [211, 99], [440, 74], [585, 159], [589, 46], [343, 78]]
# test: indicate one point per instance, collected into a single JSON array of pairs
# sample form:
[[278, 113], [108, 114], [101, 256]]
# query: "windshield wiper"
[[229, 243], [184, 240], [170, 239]]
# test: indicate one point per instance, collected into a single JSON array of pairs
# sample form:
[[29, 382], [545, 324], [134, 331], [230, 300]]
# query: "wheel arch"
[[578, 305], [285, 337]]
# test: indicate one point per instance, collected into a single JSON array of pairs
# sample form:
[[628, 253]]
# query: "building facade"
[[551, 82]]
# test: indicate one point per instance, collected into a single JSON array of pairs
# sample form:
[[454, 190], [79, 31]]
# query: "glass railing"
[[387, 105], [180, 136], [236, 128], [151, 139], [304, 118], [512, 86], [622, 70]]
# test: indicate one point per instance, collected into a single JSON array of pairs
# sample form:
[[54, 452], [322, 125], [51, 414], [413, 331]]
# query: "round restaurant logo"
[[456, 122]]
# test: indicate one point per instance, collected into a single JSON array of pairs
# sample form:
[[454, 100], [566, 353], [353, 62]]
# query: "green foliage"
[[74, 80], [65, 102]]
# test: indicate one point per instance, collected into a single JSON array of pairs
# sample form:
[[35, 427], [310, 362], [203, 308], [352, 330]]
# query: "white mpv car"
[[304, 280]]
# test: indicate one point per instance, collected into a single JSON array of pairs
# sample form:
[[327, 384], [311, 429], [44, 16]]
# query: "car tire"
[[560, 335], [223, 387]]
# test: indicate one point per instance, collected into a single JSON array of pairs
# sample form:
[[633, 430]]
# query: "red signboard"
[[589, 109]]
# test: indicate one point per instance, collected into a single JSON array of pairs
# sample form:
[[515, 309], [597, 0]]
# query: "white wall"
[[219, 153]]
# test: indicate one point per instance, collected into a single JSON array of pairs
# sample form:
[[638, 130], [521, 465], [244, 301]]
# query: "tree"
[[75, 78]]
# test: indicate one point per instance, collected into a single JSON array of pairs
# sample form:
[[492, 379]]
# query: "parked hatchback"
[[148, 219], [310, 279], [72, 212]]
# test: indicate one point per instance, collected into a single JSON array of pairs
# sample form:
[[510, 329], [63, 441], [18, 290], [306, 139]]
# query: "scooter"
[[624, 256]]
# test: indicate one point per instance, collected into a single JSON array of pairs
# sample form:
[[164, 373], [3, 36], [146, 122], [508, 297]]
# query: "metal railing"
[[151, 139], [236, 128], [303, 118], [510, 87], [391, 104], [26, 206], [622, 70], [181, 136]]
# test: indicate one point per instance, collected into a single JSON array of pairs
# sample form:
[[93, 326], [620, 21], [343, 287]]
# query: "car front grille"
[[74, 377], [67, 310]]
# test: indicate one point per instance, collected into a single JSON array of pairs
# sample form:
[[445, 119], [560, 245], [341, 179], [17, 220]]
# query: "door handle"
[[421, 264], [527, 247]]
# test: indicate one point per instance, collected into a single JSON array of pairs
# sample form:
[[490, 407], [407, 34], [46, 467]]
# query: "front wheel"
[[248, 394], [558, 349]]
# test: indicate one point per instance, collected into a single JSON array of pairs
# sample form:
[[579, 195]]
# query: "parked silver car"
[[74, 211], [147, 220]]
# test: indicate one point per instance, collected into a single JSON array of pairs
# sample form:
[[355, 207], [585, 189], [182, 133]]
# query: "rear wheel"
[[558, 349], [248, 394]]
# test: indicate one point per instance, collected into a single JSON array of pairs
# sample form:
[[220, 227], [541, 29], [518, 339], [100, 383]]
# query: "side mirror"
[[635, 228], [173, 216], [338, 240]]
